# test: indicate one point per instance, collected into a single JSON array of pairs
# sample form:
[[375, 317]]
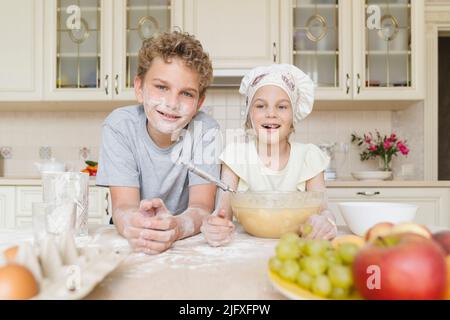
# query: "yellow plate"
[[291, 290], [294, 291]]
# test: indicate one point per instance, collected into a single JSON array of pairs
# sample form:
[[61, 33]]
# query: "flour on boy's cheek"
[[167, 118]]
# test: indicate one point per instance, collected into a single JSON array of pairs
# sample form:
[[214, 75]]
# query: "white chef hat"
[[297, 85]]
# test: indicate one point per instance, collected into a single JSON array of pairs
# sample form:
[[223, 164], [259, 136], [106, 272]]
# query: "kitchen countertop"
[[344, 183], [29, 181], [191, 269], [389, 184]]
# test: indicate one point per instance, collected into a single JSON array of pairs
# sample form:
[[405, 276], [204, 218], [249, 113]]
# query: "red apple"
[[443, 239], [403, 266]]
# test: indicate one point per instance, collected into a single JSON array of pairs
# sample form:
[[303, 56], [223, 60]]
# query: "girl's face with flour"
[[271, 115], [170, 95]]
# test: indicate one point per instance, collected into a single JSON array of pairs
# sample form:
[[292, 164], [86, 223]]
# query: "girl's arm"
[[218, 228], [324, 225], [224, 198]]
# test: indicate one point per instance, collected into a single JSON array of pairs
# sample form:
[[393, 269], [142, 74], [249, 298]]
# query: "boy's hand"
[[152, 229], [322, 227], [217, 229]]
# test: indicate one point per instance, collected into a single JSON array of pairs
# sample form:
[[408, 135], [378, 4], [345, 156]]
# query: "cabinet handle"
[[274, 52], [368, 194], [107, 204], [107, 84], [116, 84], [347, 83], [358, 83]]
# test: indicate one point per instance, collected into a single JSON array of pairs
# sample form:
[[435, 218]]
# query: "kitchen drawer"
[[96, 202], [24, 222], [433, 203], [25, 196]]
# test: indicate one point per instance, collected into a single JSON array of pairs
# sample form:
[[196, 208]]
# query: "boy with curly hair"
[[155, 200]]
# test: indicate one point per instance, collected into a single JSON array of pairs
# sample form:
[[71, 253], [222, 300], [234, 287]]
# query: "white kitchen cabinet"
[[433, 203], [21, 34], [25, 196], [99, 61], [7, 195], [330, 40], [237, 34], [22, 198], [134, 20]]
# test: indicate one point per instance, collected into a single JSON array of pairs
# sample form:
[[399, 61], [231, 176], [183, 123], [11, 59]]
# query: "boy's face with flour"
[[170, 95]]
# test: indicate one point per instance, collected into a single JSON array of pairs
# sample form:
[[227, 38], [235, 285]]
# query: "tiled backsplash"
[[67, 132]]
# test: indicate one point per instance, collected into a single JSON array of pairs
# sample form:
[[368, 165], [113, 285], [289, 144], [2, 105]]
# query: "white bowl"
[[361, 216], [372, 175]]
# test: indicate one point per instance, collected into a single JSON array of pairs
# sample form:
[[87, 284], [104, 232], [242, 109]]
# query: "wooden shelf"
[[390, 52], [145, 8], [394, 5], [316, 52], [76, 55], [314, 6], [83, 9]]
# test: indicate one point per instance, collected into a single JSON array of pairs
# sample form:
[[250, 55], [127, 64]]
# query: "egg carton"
[[64, 271]]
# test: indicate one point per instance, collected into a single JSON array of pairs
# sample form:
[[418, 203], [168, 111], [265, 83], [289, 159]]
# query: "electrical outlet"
[[6, 152]]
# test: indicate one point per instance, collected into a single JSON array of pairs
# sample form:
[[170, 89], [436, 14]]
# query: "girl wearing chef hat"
[[277, 98]]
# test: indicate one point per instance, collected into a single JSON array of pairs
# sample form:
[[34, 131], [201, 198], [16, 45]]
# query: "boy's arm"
[[201, 204], [125, 202]]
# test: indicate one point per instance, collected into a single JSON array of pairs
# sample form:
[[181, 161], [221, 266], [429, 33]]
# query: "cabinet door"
[[7, 195], [237, 34], [135, 21], [25, 196], [79, 51], [99, 205], [21, 33], [319, 41], [433, 203], [389, 61]]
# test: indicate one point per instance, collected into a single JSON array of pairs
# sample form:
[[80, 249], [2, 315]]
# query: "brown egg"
[[11, 253], [17, 283]]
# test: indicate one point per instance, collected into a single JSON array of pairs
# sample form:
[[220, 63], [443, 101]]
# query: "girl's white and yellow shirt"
[[305, 162]]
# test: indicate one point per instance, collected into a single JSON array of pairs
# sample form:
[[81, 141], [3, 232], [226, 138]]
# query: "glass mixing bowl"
[[272, 214]]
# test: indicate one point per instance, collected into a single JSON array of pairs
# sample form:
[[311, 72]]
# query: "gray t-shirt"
[[130, 158]]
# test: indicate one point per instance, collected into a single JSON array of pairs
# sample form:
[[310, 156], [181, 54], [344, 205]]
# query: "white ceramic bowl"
[[372, 175], [361, 216]]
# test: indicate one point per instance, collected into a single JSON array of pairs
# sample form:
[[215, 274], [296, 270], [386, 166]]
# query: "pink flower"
[[393, 137], [403, 149], [387, 144], [373, 148]]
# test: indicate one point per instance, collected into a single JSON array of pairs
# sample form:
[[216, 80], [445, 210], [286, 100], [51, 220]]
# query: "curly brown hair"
[[181, 45]]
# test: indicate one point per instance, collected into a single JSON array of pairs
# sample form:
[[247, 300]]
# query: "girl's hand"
[[322, 227], [217, 230]]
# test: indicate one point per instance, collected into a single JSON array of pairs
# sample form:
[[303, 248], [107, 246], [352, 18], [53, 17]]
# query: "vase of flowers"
[[382, 147]]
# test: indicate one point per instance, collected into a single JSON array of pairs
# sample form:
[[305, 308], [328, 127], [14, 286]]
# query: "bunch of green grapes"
[[316, 266]]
